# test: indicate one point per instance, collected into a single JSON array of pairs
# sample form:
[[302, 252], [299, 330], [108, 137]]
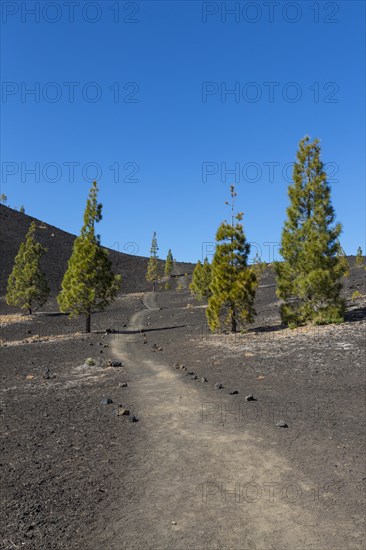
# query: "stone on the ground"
[[203, 379], [123, 384], [233, 392], [113, 363], [281, 424], [218, 386], [250, 398], [133, 418], [190, 372], [106, 401], [121, 411], [47, 374]]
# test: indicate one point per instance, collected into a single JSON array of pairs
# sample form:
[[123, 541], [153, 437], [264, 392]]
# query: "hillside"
[[13, 228]]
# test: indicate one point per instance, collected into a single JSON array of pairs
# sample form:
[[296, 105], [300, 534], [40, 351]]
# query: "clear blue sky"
[[297, 69]]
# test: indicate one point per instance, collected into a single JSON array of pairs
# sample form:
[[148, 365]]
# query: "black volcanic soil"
[[60, 447], [77, 476]]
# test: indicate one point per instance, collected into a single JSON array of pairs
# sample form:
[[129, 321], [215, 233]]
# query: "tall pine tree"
[[89, 284], [201, 280], [153, 271], [27, 286], [233, 283], [310, 277]]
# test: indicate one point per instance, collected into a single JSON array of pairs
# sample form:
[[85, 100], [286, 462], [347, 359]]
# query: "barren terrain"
[[201, 467]]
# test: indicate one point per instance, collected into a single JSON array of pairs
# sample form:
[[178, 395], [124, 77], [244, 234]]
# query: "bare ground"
[[214, 464]]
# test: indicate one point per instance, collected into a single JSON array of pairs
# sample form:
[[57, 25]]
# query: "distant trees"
[[201, 280], [3, 198], [89, 284], [359, 257], [233, 283], [153, 271], [27, 286], [310, 277], [22, 209]]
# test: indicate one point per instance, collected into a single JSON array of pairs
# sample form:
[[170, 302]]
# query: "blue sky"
[[141, 99]]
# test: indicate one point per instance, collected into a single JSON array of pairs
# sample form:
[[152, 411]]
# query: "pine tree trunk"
[[88, 322], [233, 320], [30, 311], [154, 286]]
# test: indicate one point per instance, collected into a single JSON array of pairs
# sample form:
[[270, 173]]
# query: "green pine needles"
[[201, 280], [27, 286], [89, 283], [169, 264], [310, 277]]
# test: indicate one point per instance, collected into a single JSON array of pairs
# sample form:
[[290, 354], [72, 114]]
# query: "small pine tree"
[[89, 284], [3, 198], [27, 286], [201, 280], [258, 266], [153, 271], [359, 257], [310, 277], [233, 283], [169, 264], [22, 209], [168, 268]]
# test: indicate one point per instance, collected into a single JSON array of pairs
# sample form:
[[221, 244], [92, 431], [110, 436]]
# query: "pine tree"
[[168, 269], [27, 286], [3, 198], [89, 283], [233, 283], [201, 280], [258, 266], [359, 257], [153, 271], [310, 277], [22, 209]]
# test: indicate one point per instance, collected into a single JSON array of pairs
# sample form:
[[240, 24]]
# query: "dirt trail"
[[213, 480]]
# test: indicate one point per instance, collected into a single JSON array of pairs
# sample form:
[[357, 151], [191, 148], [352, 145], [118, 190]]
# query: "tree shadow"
[[145, 330], [357, 314], [267, 328]]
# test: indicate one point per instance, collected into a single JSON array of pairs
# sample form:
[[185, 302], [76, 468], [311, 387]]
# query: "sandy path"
[[214, 481]]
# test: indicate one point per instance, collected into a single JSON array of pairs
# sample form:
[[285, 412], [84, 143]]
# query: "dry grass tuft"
[[13, 318]]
